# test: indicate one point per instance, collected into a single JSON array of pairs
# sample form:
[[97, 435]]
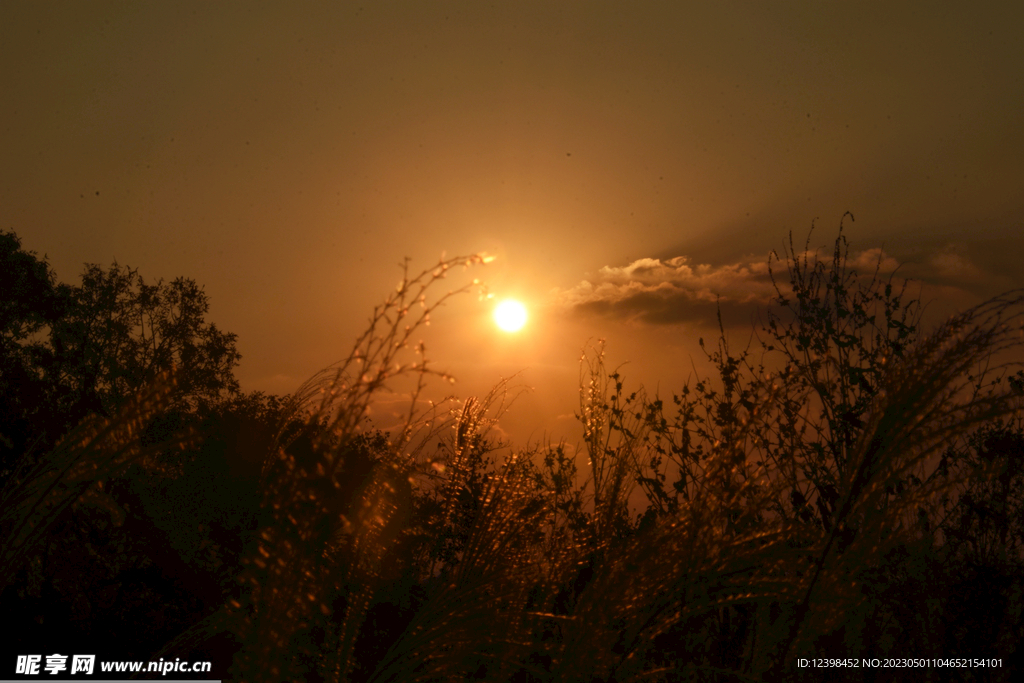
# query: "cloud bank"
[[677, 292], [658, 292]]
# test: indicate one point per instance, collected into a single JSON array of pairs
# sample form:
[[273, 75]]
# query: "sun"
[[510, 315]]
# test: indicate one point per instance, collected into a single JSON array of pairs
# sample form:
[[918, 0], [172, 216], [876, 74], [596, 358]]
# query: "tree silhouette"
[[68, 351], [117, 332], [121, 513], [29, 302], [861, 497]]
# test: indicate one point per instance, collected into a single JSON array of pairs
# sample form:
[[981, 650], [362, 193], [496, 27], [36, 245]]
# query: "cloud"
[[868, 260], [952, 265], [674, 291]]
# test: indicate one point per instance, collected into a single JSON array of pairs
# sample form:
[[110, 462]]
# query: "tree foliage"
[[118, 332], [29, 302], [839, 486], [68, 351]]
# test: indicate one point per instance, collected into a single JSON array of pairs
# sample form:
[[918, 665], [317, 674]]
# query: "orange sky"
[[288, 155]]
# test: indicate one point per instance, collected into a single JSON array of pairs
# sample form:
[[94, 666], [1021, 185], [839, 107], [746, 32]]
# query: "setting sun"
[[510, 315]]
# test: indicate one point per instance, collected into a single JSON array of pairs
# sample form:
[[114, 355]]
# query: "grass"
[[782, 506]]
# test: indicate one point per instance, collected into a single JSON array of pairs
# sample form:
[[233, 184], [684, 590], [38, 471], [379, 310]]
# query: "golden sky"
[[627, 163]]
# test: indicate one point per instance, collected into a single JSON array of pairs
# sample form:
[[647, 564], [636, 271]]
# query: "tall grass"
[[314, 546], [45, 486], [774, 501]]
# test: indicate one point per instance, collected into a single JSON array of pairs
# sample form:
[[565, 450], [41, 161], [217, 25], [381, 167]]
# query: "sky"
[[627, 164]]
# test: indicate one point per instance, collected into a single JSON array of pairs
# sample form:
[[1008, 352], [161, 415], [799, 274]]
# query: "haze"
[[288, 155]]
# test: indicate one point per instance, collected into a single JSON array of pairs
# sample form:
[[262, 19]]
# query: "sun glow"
[[510, 315]]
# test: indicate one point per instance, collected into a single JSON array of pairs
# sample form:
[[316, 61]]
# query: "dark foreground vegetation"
[[846, 486]]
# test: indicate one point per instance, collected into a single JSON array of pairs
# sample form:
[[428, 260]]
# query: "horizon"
[[286, 158]]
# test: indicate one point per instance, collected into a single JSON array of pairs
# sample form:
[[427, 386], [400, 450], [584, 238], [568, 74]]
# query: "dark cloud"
[[673, 291], [664, 307]]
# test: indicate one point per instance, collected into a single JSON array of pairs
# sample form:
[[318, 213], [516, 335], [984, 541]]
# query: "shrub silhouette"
[[830, 491]]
